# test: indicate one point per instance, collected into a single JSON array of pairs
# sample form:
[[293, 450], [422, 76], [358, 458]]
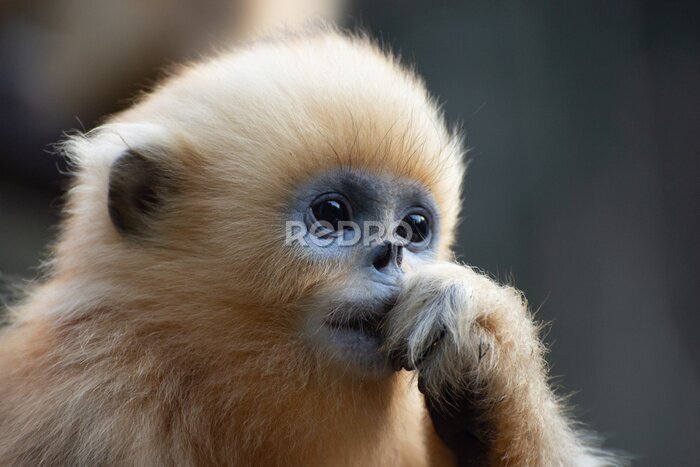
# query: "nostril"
[[383, 257], [387, 254]]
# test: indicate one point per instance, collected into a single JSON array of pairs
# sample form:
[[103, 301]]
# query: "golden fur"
[[186, 350]]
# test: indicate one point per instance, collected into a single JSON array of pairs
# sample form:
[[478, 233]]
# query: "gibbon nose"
[[386, 256]]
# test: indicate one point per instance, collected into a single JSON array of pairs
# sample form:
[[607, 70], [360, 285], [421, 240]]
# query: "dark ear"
[[137, 189]]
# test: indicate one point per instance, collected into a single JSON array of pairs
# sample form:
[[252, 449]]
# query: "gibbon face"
[[239, 175], [371, 228]]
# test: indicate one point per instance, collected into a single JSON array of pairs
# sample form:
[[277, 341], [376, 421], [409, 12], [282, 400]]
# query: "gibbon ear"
[[137, 185]]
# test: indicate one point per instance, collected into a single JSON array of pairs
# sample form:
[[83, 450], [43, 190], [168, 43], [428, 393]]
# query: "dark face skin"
[[370, 229]]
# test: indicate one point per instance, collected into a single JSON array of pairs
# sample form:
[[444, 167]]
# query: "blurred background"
[[583, 119]]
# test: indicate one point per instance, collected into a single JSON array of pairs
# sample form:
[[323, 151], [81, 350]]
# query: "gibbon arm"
[[482, 369]]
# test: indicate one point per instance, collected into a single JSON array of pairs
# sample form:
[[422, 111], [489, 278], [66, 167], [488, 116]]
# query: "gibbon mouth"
[[357, 342], [368, 326], [357, 338]]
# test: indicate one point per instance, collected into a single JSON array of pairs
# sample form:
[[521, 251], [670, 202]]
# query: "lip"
[[356, 349], [356, 341], [368, 326]]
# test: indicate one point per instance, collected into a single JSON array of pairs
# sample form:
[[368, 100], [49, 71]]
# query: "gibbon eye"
[[414, 228], [330, 209]]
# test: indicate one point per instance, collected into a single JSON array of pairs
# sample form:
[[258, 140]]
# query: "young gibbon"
[[179, 325]]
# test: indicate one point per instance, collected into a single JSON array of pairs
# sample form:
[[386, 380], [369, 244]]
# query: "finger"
[[455, 420]]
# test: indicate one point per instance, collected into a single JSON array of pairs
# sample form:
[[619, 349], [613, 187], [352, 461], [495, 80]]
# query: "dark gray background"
[[584, 122]]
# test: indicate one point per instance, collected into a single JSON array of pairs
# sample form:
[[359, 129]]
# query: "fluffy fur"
[[182, 347]]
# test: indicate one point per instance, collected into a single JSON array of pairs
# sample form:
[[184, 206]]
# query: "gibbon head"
[[266, 189]]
